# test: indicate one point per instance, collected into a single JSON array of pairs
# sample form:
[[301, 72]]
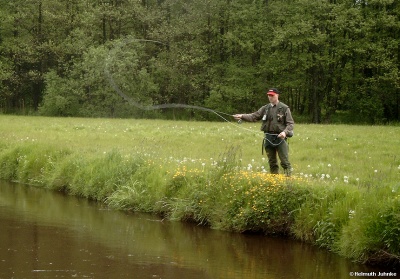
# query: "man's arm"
[[289, 122], [251, 117]]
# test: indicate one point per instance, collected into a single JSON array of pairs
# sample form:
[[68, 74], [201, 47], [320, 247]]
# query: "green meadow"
[[344, 194]]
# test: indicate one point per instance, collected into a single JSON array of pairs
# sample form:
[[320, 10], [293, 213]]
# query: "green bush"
[[30, 164], [97, 178], [372, 233]]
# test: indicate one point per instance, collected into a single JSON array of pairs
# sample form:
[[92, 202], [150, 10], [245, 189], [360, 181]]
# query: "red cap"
[[272, 91]]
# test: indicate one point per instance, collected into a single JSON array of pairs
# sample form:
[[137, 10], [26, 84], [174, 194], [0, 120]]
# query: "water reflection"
[[46, 235]]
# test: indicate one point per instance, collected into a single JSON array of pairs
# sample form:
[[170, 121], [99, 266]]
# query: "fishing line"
[[109, 62], [276, 137], [270, 143]]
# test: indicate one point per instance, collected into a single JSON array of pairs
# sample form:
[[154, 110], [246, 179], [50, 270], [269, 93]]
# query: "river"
[[45, 234]]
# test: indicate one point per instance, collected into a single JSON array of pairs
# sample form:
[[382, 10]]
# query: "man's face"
[[273, 98]]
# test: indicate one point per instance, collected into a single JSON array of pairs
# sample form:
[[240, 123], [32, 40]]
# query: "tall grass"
[[344, 194]]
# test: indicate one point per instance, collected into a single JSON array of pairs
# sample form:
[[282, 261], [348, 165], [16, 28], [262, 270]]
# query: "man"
[[277, 124]]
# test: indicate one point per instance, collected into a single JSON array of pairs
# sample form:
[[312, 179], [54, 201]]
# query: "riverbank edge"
[[359, 224]]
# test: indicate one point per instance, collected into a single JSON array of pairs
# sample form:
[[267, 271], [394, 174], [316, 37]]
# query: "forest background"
[[335, 61]]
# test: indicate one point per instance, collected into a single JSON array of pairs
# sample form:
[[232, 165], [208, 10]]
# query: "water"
[[44, 234]]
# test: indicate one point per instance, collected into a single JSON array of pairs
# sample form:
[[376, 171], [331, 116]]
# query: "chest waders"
[[271, 139]]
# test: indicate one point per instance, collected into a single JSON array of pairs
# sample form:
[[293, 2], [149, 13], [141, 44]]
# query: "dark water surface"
[[44, 234]]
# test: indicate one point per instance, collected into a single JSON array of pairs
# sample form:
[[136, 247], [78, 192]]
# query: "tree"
[[325, 56], [87, 89]]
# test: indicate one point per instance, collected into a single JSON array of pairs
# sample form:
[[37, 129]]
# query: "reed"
[[344, 194]]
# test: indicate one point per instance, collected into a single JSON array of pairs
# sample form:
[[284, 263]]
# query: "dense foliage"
[[334, 60]]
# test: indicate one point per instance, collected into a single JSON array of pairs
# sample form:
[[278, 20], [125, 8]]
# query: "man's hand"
[[237, 116], [282, 135]]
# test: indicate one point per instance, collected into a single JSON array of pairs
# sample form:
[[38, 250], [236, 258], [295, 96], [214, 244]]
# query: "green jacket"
[[275, 119]]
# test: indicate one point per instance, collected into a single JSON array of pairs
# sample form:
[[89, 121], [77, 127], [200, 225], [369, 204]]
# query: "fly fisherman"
[[277, 124]]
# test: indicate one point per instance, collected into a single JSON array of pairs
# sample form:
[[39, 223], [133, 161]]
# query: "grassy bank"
[[344, 194]]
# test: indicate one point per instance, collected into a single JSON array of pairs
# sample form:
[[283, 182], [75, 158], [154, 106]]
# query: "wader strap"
[[263, 146]]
